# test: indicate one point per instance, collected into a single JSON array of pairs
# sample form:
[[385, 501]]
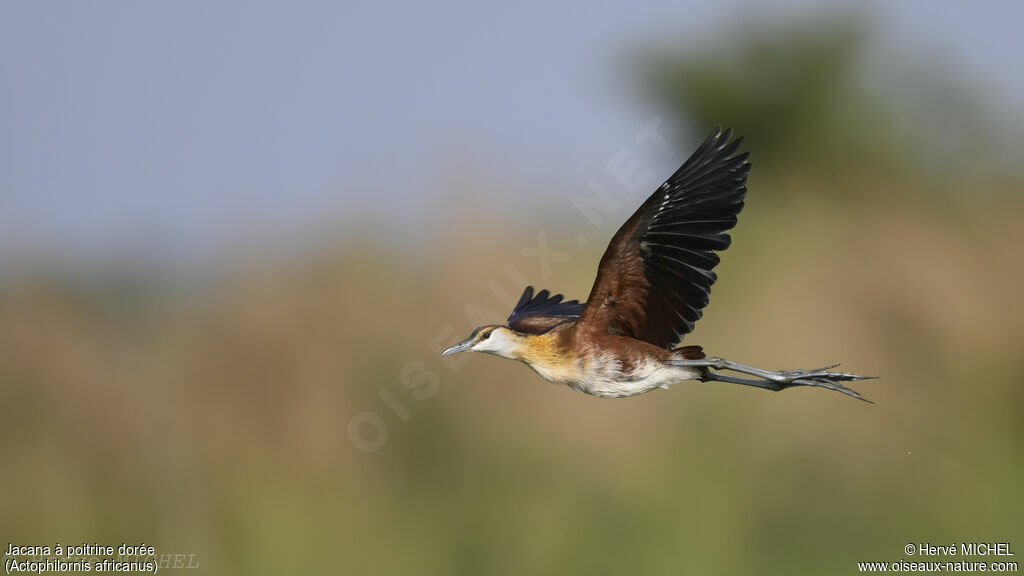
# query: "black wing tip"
[[526, 297], [719, 152], [544, 303], [720, 134], [722, 146]]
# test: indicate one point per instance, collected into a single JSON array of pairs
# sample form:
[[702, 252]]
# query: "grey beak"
[[464, 345]]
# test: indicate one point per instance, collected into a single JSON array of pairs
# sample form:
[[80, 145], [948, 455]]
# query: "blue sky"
[[173, 130]]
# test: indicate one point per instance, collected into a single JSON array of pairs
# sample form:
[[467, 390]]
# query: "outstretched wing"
[[540, 313], [655, 276]]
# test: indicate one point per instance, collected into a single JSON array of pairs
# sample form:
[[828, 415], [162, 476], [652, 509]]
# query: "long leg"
[[775, 379]]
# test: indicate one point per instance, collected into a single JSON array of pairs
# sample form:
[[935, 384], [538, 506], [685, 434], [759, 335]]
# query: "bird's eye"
[[485, 336]]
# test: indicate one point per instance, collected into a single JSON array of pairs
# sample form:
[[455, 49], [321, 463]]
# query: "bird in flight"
[[652, 284]]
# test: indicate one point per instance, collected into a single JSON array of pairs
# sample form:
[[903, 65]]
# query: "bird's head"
[[495, 339]]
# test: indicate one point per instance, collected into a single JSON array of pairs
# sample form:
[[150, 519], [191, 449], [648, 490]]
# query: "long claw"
[[822, 378], [822, 373], [820, 382]]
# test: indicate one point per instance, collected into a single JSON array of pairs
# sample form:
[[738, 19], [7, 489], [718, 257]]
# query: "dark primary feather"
[[540, 313], [655, 276]]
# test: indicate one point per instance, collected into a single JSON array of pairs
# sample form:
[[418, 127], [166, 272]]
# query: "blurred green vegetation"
[[796, 95], [811, 105], [213, 419]]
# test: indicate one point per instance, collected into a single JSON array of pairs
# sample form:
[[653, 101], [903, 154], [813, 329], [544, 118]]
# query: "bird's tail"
[[688, 352]]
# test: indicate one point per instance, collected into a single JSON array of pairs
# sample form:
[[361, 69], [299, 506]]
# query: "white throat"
[[501, 343]]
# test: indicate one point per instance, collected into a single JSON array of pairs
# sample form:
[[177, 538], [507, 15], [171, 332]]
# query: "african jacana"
[[652, 284]]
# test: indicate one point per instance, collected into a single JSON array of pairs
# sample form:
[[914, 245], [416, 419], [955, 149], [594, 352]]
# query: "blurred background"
[[234, 238]]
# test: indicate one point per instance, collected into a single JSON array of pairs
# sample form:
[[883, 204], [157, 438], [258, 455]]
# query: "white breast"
[[603, 376]]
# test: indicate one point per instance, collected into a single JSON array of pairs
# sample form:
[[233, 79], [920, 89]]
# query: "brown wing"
[[655, 277], [540, 313]]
